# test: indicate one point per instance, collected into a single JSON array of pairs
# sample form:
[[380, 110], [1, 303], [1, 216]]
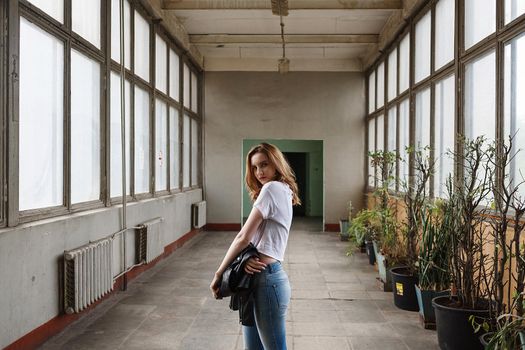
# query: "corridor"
[[335, 303]]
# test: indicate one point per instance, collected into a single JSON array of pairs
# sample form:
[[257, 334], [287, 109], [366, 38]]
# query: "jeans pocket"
[[282, 294]]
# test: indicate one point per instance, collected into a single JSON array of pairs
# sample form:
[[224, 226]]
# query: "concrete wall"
[[299, 105], [30, 255]]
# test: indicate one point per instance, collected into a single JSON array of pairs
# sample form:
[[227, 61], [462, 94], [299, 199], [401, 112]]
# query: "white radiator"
[[198, 214], [87, 274], [148, 243]]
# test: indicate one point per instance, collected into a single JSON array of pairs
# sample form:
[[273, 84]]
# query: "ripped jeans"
[[272, 296]]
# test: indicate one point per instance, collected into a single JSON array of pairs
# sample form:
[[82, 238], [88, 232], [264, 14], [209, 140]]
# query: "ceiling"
[[320, 35]]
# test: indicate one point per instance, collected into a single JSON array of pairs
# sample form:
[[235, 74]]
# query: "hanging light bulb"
[[280, 7], [283, 65]]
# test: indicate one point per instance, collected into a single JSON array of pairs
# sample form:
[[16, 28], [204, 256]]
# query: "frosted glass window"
[[186, 151], [54, 8], [444, 132], [116, 137], [480, 20], [392, 75], [161, 68], [445, 10], [161, 146], [86, 20], [142, 148], [515, 106], [422, 47], [194, 152], [392, 137], [380, 144], [141, 47], [513, 9], [371, 148], [174, 75], [480, 97], [404, 63], [381, 85], [372, 92], [174, 148], [423, 119], [186, 86], [404, 141], [194, 92], [41, 118], [85, 128], [115, 32]]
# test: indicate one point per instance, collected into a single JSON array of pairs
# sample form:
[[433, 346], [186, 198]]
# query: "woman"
[[271, 184]]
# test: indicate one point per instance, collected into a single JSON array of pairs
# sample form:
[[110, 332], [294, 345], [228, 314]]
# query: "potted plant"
[[470, 296], [362, 228], [344, 223]]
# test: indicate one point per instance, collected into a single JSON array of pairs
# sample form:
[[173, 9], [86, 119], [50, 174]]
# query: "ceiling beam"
[[215, 39], [292, 4]]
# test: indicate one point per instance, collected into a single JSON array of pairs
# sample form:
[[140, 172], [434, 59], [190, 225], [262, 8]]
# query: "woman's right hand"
[[254, 265]]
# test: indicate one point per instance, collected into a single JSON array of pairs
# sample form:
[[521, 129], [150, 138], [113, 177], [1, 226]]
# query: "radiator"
[[199, 214], [147, 241], [87, 274]]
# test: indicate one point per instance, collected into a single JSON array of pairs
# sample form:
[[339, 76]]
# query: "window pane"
[[480, 97], [41, 118], [141, 47], [371, 148], [85, 128], [404, 140], [186, 86], [480, 20], [381, 85], [115, 32], [161, 146], [515, 106], [174, 75], [423, 119], [186, 152], [380, 133], [86, 20], [116, 139], [392, 137], [404, 63], [161, 76], [422, 47], [142, 153], [194, 152], [444, 132], [372, 92], [392, 75], [513, 9], [54, 8], [445, 10], [194, 94], [174, 148]]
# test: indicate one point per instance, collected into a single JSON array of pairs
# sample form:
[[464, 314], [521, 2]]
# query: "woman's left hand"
[[214, 286]]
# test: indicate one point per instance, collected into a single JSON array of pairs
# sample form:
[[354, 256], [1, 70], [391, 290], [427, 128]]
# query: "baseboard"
[[54, 326], [223, 227], [331, 227]]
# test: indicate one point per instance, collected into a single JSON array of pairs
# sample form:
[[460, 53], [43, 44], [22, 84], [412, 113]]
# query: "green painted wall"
[[314, 176]]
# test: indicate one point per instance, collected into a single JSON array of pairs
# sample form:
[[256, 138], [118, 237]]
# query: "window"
[[445, 11], [161, 146], [404, 140], [53, 8], [85, 128], [142, 149], [381, 85], [371, 148], [161, 68], [115, 32], [174, 75], [392, 137], [194, 153], [372, 92], [41, 118], [404, 63], [515, 106], [422, 119], [174, 148], [141, 47], [380, 133], [194, 92], [422, 48], [444, 132], [86, 20], [186, 86], [513, 9], [480, 20], [186, 151], [392, 75]]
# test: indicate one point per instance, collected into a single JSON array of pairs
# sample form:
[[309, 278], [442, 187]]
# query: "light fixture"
[[280, 7]]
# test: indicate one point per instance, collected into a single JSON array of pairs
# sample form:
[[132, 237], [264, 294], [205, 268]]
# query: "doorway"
[[298, 162]]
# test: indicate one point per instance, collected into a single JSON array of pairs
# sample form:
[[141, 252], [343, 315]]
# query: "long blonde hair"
[[284, 172]]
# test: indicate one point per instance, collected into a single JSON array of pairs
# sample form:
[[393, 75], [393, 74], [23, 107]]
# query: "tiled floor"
[[335, 303]]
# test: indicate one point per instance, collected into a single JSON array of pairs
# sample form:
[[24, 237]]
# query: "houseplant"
[[344, 223]]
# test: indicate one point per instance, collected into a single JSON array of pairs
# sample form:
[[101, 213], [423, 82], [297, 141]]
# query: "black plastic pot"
[[370, 252], [454, 330], [485, 339], [403, 286]]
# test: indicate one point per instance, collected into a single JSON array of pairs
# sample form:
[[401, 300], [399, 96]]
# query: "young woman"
[[271, 184]]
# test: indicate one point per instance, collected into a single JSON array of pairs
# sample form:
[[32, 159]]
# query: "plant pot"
[[403, 286], [485, 339], [370, 252], [454, 330], [343, 227], [424, 300]]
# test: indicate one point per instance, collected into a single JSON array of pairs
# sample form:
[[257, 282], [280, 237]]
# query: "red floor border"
[[331, 227]]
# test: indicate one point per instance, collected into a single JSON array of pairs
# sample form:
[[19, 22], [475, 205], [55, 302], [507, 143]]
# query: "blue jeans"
[[272, 296]]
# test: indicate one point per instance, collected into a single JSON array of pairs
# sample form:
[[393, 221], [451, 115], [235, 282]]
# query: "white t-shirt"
[[275, 204]]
